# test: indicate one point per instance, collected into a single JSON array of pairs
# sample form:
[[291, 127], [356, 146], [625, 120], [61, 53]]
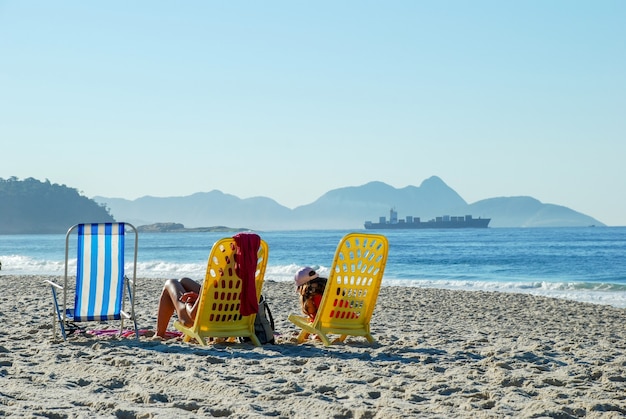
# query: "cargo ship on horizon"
[[410, 222]]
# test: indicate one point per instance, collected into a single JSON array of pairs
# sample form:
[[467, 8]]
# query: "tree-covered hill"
[[30, 206]]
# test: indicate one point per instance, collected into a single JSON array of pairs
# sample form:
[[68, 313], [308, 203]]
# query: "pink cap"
[[304, 275]]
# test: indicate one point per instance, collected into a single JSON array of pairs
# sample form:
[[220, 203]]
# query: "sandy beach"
[[438, 353]]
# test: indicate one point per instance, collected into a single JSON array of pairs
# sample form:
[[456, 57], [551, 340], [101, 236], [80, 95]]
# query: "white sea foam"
[[587, 265], [24, 265], [597, 293]]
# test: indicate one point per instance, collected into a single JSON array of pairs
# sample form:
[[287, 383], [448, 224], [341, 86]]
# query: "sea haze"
[[344, 208]]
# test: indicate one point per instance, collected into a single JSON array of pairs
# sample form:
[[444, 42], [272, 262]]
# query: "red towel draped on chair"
[[245, 260]]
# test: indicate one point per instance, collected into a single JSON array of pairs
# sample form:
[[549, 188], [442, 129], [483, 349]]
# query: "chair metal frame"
[[101, 272]]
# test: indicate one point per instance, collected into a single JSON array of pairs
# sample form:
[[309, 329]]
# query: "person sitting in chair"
[[180, 296], [310, 287]]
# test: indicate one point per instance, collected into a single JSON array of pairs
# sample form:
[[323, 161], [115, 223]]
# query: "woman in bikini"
[[180, 296]]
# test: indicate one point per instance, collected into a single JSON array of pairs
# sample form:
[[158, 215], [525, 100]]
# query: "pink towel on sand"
[[245, 268]]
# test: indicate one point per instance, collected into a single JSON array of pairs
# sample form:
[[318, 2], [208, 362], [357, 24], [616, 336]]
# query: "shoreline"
[[611, 294], [438, 353]]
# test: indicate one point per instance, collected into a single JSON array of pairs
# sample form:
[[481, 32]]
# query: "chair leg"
[[304, 335], [58, 315], [255, 340], [324, 338], [132, 306], [54, 321]]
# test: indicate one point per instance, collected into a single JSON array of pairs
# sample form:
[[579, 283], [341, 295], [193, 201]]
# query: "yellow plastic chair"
[[218, 313], [351, 291]]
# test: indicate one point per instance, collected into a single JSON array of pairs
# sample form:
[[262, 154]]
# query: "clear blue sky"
[[291, 99]]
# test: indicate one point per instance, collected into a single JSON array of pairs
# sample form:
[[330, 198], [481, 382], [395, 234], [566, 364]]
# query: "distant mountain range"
[[343, 208]]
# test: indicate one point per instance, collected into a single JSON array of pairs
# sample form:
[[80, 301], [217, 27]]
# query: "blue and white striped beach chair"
[[101, 283]]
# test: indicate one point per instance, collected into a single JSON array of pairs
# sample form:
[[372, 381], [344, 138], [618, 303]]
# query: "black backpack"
[[263, 324]]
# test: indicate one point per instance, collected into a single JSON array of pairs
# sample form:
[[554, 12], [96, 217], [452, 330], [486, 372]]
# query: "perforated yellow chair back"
[[218, 314], [351, 291]]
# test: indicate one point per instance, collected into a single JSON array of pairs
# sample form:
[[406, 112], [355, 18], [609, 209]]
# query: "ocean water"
[[583, 264]]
